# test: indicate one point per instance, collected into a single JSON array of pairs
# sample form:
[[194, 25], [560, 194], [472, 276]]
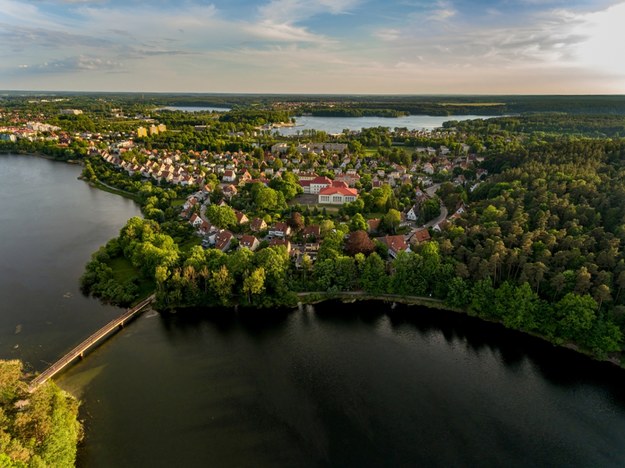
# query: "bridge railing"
[[87, 343]]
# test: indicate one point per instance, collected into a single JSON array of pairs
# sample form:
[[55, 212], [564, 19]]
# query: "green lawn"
[[123, 272], [178, 202], [186, 246]]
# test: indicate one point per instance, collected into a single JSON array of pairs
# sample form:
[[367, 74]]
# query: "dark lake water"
[[363, 384], [50, 224]]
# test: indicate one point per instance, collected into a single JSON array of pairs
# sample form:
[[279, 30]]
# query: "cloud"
[[23, 37], [283, 32], [79, 63], [442, 11], [293, 11], [388, 34]]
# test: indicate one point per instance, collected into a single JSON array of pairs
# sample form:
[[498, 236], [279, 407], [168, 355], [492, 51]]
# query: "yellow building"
[[162, 128], [153, 130], [142, 132]]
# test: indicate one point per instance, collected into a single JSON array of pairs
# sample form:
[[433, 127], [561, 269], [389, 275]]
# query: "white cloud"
[[604, 33], [283, 32], [388, 34], [293, 11]]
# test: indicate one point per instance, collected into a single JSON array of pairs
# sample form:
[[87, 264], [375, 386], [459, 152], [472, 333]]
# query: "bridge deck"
[[90, 342]]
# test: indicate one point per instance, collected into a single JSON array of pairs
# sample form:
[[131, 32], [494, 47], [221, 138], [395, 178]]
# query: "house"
[[195, 220], [420, 236], [304, 176], [337, 195], [241, 217], [314, 185], [395, 244], [190, 202], [230, 191], [314, 230], [373, 225], [280, 242], [244, 177], [413, 213], [223, 240], [249, 242], [205, 228], [258, 225], [229, 176], [279, 229]]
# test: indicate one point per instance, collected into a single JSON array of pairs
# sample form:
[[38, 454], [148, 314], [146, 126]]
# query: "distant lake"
[[338, 124], [196, 109]]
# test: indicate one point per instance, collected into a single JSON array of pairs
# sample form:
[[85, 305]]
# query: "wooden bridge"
[[93, 341]]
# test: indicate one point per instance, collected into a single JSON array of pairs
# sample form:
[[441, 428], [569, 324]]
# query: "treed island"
[[517, 219]]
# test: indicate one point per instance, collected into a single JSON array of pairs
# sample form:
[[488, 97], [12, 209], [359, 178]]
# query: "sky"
[[315, 46]]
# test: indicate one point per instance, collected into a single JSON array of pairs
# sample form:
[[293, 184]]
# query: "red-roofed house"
[[249, 242], [395, 244], [195, 220], [314, 230], [315, 185], [223, 240], [373, 225], [241, 217], [258, 224], [229, 176], [421, 236], [279, 229], [229, 191], [278, 242]]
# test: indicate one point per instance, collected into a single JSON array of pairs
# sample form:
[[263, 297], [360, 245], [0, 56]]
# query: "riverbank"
[[110, 189]]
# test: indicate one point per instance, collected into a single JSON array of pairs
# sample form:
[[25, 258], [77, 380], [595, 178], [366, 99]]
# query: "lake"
[[196, 108], [50, 224], [364, 384], [338, 124]]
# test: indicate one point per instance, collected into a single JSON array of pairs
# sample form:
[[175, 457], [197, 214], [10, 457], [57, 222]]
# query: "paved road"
[[431, 191]]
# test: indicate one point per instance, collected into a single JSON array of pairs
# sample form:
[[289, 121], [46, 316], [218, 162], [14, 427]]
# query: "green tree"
[[576, 315], [221, 216], [391, 220], [254, 284], [358, 223], [374, 278]]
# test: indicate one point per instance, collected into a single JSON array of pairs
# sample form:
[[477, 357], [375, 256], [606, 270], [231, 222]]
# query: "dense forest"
[[38, 429], [412, 104]]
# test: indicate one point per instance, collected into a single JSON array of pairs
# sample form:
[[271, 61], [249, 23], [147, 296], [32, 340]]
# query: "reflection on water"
[[346, 384]]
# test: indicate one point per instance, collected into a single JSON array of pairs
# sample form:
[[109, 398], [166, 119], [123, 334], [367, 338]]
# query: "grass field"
[[123, 272]]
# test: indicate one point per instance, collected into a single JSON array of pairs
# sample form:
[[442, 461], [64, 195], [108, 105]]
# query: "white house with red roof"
[[337, 194], [229, 176]]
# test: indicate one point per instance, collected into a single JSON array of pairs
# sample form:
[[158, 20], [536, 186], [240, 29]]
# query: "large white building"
[[337, 195]]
